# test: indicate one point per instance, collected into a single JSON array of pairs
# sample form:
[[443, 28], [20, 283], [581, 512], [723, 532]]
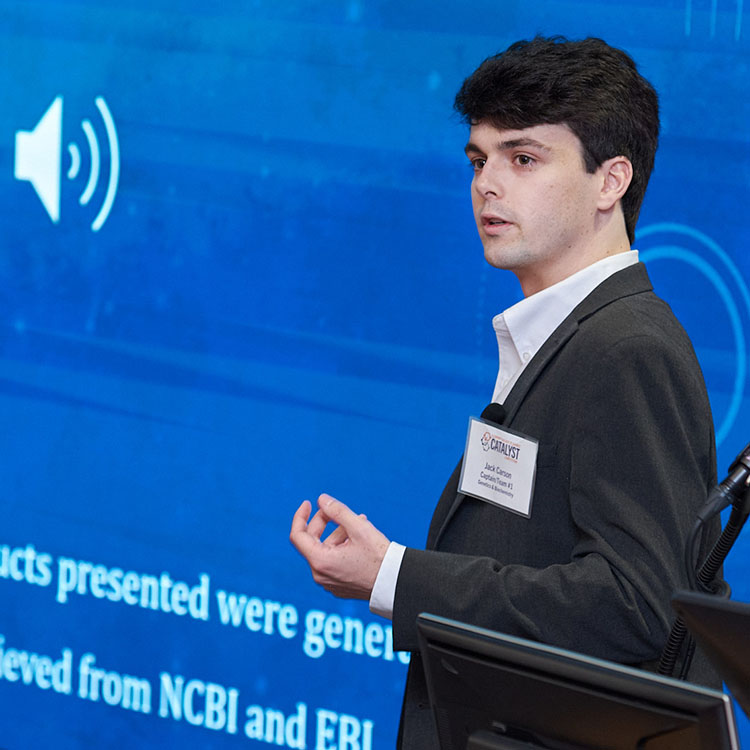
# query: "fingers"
[[299, 521], [317, 524], [298, 535], [337, 536], [339, 513], [307, 532]]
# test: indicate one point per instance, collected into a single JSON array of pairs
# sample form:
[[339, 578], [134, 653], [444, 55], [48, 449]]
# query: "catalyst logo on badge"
[[39, 160], [494, 443]]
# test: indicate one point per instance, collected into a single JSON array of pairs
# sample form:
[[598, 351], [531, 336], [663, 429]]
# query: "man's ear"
[[617, 174]]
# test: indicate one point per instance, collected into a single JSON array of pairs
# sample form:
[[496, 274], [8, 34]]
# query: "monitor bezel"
[[540, 663]]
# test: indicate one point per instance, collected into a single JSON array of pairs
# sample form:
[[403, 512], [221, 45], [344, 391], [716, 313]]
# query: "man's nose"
[[488, 181]]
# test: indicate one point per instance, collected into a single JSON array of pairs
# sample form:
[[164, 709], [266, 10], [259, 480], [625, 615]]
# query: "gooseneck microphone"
[[731, 489], [704, 576]]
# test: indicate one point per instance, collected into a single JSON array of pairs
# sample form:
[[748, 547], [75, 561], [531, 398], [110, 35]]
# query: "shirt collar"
[[531, 321]]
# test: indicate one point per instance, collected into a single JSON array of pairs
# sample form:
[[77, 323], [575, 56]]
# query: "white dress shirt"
[[521, 330]]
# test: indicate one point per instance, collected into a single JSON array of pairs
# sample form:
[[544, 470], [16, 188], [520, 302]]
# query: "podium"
[[491, 691], [721, 627]]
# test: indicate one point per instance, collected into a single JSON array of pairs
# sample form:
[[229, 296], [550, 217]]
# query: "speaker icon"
[[39, 160]]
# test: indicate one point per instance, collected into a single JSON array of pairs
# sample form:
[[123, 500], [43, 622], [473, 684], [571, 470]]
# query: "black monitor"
[[491, 691], [721, 627]]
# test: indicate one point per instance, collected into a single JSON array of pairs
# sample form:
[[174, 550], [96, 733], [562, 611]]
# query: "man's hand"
[[347, 562]]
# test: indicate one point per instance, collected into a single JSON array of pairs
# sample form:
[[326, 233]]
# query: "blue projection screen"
[[240, 269]]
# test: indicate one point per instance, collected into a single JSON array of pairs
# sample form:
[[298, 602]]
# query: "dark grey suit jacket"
[[626, 456]]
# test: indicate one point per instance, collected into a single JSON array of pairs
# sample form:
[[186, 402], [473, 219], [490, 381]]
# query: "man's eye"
[[478, 163], [524, 160]]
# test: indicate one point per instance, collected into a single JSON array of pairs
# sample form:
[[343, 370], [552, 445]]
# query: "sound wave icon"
[[39, 160]]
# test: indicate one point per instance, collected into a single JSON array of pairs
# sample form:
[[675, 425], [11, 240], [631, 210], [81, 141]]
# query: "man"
[[593, 366]]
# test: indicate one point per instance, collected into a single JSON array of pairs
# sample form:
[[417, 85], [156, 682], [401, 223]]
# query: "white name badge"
[[499, 467]]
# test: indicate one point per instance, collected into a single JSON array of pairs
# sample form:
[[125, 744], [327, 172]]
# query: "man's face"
[[534, 203]]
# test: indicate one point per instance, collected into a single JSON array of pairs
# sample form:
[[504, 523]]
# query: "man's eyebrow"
[[521, 142], [510, 144]]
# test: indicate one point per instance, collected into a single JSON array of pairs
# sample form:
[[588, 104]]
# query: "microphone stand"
[[705, 580]]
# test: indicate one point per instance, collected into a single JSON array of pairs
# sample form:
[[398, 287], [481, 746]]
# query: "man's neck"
[[534, 280]]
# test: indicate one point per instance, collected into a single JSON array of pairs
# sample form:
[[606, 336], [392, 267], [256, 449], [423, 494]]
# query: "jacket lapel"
[[629, 281]]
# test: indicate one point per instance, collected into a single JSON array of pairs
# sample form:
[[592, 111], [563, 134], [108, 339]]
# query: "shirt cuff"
[[384, 590]]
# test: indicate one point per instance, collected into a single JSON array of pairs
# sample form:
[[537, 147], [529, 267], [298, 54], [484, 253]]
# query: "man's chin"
[[503, 259]]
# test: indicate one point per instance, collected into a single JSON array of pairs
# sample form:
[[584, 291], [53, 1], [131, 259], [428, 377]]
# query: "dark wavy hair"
[[594, 89]]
